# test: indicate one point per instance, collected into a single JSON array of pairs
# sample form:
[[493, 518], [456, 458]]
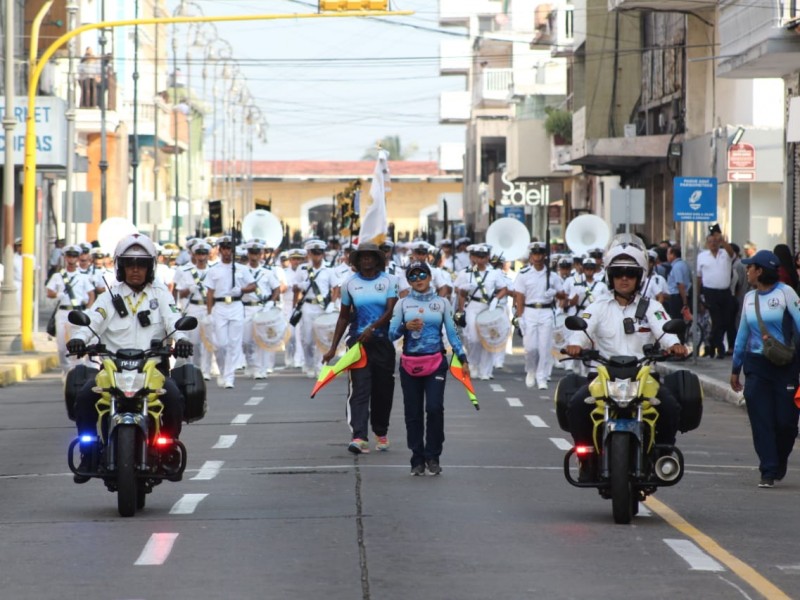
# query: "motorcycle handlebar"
[[93, 350]]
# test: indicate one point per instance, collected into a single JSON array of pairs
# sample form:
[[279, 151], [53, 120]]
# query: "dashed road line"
[[496, 387], [241, 419], [692, 554], [561, 443], [536, 421], [260, 387], [254, 401], [157, 549], [209, 470], [225, 441], [187, 504], [514, 402]]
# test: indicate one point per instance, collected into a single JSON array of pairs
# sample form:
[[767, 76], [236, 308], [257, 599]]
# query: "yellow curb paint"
[[745, 572], [26, 368]]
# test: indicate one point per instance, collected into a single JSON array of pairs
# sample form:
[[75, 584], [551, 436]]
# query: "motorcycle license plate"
[[622, 425]]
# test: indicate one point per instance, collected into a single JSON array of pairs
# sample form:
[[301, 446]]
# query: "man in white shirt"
[[714, 269], [191, 291], [260, 360], [293, 356]]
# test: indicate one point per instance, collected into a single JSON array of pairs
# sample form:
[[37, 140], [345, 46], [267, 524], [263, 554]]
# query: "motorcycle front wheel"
[[127, 497], [621, 489]]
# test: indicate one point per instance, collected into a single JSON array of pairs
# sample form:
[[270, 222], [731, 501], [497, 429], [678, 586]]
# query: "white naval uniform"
[[189, 277], [537, 323], [293, 357], [259, 360], [81, 286], [313, 306], [228, 316], [481, 360], [461, 261], [654, 285]]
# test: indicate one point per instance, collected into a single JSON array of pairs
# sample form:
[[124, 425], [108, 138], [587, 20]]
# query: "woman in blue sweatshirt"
[[418, 319]]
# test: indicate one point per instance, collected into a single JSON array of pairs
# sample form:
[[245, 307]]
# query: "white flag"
[[374, 223]]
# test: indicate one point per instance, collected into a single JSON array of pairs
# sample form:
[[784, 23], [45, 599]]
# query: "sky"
[[330, 88]]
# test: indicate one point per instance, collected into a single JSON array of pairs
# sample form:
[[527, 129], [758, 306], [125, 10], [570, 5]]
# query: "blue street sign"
[[515, 212], [694, 199]]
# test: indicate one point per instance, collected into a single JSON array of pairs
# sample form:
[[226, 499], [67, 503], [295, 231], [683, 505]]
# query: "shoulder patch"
[[173, 308], [102, 311], [586, 315]]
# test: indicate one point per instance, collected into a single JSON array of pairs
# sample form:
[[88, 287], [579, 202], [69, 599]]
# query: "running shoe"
[[766, 482], [530, 380], [359, 446], [382, 445], [418, 470], [433, 466]]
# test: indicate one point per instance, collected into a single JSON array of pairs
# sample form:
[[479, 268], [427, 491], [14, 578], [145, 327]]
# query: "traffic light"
[[342, 5]]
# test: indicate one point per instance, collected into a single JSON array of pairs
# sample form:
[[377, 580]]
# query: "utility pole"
[[69, 216], [135, 148], [103, 143]]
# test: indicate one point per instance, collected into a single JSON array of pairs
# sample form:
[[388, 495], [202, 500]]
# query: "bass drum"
[[493, 329], [270, 329], [324, 326], [560, 331], [208, 336]]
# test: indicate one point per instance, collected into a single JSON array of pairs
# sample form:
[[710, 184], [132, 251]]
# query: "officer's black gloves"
[[76, 346], [184, 349]]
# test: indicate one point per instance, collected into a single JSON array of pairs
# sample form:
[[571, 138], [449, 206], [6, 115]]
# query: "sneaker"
[[228, 386], [542, 385], [206, 377], [382, 445], [418, 470], [766, 482], [530, 380], [359, 446], [433, 466]]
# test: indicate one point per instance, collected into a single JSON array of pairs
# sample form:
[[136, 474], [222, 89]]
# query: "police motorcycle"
[[631, 465], [130, 453]]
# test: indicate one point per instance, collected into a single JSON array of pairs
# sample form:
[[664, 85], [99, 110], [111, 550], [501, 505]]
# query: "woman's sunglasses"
[[420, 276]]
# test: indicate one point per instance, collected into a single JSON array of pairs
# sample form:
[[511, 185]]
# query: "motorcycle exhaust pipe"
[[667, 468]]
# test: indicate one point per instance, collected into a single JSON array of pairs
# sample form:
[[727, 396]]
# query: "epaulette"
[[525, 270]]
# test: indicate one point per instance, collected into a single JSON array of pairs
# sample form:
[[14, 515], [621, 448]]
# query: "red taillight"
[[163, 441], [583, 450]]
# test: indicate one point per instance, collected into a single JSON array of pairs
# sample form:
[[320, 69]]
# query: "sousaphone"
[[263, 225], [508, 237], [585, 233]]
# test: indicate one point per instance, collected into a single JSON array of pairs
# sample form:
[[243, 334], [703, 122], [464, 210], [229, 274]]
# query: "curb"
[[713, 389], [14, 369]]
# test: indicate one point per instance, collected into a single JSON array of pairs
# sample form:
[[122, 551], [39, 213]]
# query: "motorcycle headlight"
[[622, 391], [129, 382]]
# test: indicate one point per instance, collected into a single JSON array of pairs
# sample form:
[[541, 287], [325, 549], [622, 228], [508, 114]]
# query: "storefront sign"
[[521, 194], [51, 130]]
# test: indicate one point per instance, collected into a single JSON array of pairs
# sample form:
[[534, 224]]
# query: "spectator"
[[89, 77], [679, 283], [56, 259], [714, 281], [739, 287], [786, 272], [749, 249]]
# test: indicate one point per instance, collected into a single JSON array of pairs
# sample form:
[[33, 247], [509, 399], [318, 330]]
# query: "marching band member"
[[74, 290], [461, 259], [447, 259], [293, 356], [191, 290], [102, 274], [316, 293], [265, 295], [86, 267], [441, 282], [592, 288], [654, 285], [395, 270], [535, 294], [344, 269], [479, 289], [225, 284]]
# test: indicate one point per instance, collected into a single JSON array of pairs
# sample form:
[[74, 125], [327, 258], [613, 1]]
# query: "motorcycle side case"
[[191, 384], [564, 392], [76, 379], [686, 388]]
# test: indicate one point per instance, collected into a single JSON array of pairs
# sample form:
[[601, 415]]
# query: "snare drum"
[[271, 329], [208, 335], [493, 329], [324, 327]]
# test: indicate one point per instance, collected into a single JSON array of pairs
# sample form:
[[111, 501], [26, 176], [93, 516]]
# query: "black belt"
[[197, 302], [79, 307], [538, 305], [228, 299], [253, 303]]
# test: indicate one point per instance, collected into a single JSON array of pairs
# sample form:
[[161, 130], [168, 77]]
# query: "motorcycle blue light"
[[86, 439]]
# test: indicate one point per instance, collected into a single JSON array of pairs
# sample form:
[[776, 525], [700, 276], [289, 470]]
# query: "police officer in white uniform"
[[293, 356], [316, 290], [74, 290], [535, 291], [191, 290], [226, 282], [266, 294]]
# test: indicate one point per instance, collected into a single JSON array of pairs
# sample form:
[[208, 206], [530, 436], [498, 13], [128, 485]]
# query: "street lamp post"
[[103, 142], [72, 12]]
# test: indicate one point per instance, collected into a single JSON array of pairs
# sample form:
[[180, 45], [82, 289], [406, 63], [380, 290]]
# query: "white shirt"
[[604, 319], [342, 272], [324, 278], [190, 277], [127, 332], [266, 284], [492, 279], [220, 280], [461, 261], [588, 292], [715, 271], [534, 285], [654, 285], [80, 284]]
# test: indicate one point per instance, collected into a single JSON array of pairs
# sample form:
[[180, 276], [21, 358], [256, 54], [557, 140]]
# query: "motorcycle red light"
[[583, 450], [163, 441]]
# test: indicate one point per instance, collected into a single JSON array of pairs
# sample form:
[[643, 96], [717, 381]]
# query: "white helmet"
[[626, 250], [135, 245]]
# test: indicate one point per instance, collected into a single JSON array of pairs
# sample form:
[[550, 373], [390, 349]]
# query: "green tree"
[[392, 144]]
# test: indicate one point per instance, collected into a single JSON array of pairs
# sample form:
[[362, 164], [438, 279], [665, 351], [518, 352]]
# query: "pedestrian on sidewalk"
[[714, 268], [769, 388], [368, 298], [418, 319]]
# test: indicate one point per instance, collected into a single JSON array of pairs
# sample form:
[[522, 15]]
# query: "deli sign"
[[522, 193]]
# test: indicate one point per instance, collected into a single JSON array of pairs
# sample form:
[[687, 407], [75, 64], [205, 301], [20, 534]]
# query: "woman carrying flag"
[[418, 319]]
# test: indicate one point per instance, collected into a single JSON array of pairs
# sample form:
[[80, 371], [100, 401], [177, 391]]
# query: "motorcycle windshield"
[[130, 359]]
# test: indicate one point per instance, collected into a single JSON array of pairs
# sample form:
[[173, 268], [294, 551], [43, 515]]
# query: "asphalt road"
[[273, 507]]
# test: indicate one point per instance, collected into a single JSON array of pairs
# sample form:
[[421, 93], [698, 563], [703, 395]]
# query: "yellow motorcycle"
[[630, 465]]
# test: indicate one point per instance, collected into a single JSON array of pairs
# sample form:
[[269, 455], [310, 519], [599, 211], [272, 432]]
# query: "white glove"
[[493, 304], [269, 304], [330, 308]]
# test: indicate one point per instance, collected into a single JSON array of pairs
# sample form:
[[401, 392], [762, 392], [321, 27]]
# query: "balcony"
[[457, 13], [758, 38], [454, 107], [494, 87], [662, 5], [455, 57], [543, 78]]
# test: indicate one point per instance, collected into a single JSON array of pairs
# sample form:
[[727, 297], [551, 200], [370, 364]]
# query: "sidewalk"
[[714, 376], [15, 368]]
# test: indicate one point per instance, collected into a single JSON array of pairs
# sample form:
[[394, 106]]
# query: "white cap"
[[200, 246], [540, 246], [420, 246], [315, 245], [480, 248]]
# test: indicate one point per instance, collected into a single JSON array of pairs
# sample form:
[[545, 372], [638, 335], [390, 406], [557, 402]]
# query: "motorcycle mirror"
[[676, 326], [574, 323], [186, 324], [77, 317]]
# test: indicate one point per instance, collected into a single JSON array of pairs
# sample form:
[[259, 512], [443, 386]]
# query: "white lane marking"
[[259, 387], [644, 511], [692, 554], [514, 401], [496, 387], [241, 419], [225, 441], [209, 470], [157, 549], [187, 504], [536, 421], [561, 443], [254, 401]]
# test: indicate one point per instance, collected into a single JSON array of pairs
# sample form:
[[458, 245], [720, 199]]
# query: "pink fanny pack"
[[421, 366]]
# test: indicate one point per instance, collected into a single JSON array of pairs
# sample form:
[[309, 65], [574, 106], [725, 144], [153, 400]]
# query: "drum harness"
[[68, 281], [262, 300], [485, 297], [321, 300], [198, 280]]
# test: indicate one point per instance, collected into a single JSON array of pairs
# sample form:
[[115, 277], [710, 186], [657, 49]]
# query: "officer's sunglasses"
[[138, 263], [72, 254], [317, 251], [480, 254], [418, 276], [629, 272], [201, 251]]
